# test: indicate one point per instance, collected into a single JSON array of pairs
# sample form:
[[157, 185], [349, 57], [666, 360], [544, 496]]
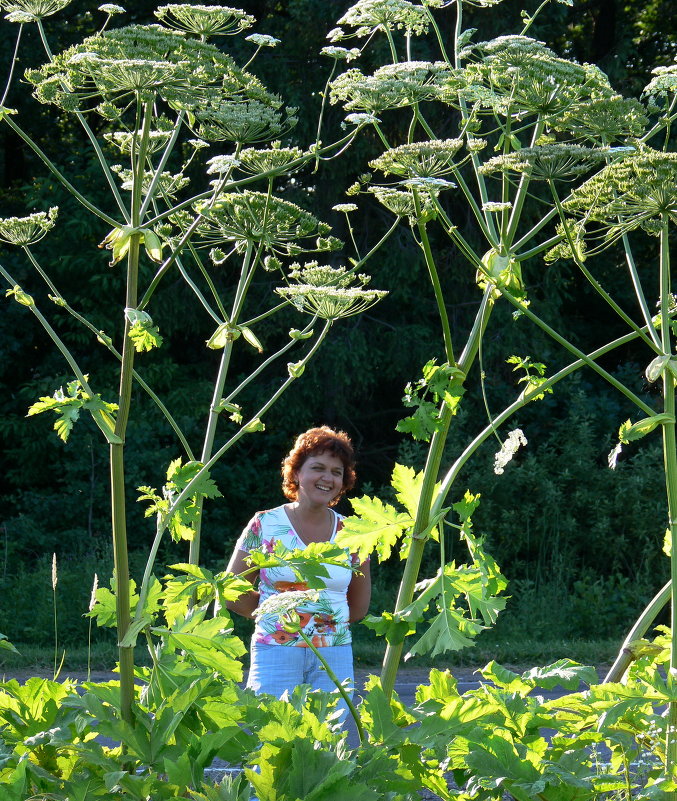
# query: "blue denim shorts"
[[277, 668]]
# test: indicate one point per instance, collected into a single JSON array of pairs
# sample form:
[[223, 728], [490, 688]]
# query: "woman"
[[319, 469]]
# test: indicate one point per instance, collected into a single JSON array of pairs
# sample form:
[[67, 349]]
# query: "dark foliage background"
[[581, 544]]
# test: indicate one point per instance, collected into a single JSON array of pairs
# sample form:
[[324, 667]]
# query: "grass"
[[509, 652], [367, 649]]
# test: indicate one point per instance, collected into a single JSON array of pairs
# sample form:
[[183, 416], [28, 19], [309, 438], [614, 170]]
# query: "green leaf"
[[184, 518], [308, 563], [375, 526], [20, 296], [563, 673], [67, 406], [628, 432], [377, 716], [135, 628], [6, 645], [392, 626], [465, 508], [254, 426], [422, 424], [145, 337], [407, 485], [294, 333], [208, 645], [296, 369], [448, 631]]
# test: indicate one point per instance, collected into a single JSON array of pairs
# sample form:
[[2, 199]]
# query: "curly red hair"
[[311, 443]]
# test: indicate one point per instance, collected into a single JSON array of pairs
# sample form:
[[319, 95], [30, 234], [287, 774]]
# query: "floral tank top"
[[325, 621]]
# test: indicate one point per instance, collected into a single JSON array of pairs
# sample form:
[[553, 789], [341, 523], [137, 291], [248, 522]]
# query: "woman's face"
[[320, 479]]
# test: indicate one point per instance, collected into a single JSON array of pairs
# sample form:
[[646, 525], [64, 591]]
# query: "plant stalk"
[[670, 464], [118, 506], [349, 702], [393, 654]]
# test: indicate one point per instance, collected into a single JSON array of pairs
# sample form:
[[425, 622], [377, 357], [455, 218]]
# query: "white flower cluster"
[[325, 291], [220, 165], [156, 139], [168, 184], [23, 11], [262, 40], [278, 225], [419, 159], [255, 161], [243, 121], [402, 203], [204, 20], [284, 602], [515, 440], [555, 162], [391, 86], [369, 15], [341, 53], [23, 231]]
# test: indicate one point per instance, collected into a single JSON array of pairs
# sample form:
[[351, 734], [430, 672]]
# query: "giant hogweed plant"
[[529, 130], [168, 98]]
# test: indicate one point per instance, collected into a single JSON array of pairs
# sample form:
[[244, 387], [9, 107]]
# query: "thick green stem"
[[637, 285], [349, 701], [119, 520], [435, 280], [670, 464], [412, 567], [121, 564], [208, 443], [626, 655]]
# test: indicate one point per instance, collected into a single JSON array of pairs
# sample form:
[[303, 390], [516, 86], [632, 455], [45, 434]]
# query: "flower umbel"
[[23, 231], [419, 159], [368, 16], [32, 10], [391, 86], [509, 448], [204, 20], [326, 292], [280, 226], [284, 602], [634, 191], [556, 162]]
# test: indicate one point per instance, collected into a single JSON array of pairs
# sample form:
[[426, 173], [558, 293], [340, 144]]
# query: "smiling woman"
[[318, 470]]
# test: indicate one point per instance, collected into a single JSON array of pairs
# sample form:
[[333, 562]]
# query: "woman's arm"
[[359, 593], [247, 603]]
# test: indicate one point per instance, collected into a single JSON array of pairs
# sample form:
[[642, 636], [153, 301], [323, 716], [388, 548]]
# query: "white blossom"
[[509, 448], [262, 40], [284, 602]]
